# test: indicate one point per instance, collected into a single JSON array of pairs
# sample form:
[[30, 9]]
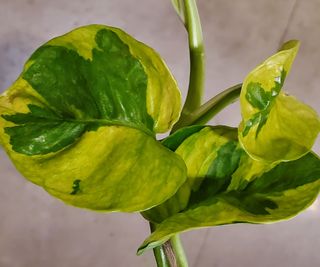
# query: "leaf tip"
[[150, 244], [291, 44], [142, 249]]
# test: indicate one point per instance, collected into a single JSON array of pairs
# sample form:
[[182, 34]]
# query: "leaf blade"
[[273, 119], [81, 120], [257, 192]]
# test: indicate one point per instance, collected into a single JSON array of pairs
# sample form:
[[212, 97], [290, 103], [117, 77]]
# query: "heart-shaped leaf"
[[276, 126], [227, 186], [81, 120]]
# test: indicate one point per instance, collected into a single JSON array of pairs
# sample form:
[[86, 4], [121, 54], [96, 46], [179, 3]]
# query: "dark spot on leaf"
[[76, 187]]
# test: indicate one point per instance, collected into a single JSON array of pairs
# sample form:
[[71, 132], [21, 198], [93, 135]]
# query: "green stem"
[[171, 253], [159, 252], [160, 257], [197, 57], [178, 250], [208, 110]]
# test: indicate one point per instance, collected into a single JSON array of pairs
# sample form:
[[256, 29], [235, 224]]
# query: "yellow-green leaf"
[[81, 121], [199, 147], [227, 186], [276, 126]]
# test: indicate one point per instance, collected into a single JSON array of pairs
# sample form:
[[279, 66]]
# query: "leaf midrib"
[[102, 122]]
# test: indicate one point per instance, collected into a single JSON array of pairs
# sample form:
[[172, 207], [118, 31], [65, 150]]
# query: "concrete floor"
[[37, 230]]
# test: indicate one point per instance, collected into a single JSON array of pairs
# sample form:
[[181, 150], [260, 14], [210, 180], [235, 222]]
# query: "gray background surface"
[[39, 231]]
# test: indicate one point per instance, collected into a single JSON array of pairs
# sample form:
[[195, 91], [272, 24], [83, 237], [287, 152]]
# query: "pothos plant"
[[81, 122]]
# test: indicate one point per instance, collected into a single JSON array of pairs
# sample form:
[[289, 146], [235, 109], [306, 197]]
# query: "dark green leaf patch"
[[278, 194], [255, 204], [226, 161], [80, 95], [42, 131], [174, 140], [219, 173], [261, 100], [257, 96], [256, 196], [288, 175]]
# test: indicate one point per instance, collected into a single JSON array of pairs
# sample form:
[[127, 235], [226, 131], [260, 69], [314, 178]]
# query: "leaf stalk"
[[197, 57], [212, 107]]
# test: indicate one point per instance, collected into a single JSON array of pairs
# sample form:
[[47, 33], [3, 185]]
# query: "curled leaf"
[[276, 126]]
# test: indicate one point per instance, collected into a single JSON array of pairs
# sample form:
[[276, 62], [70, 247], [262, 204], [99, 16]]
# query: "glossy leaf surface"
[[82, 117], [276, 126], [179, 201], [227, 186]]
